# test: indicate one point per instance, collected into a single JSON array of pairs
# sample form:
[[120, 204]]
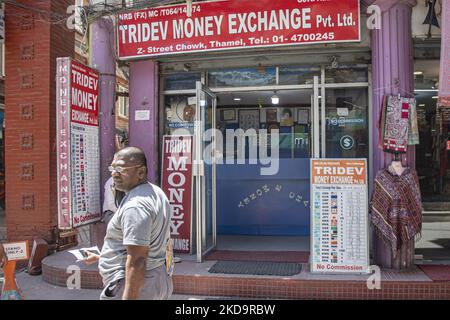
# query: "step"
[[436, 206], [193, 279]]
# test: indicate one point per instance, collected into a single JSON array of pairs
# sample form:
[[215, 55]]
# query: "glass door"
[[315, 119], [205, 172]]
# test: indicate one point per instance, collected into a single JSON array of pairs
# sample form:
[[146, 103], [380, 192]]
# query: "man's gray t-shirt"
[[142, 219]]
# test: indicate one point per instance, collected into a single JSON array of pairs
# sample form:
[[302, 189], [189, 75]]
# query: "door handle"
[[198, 169]]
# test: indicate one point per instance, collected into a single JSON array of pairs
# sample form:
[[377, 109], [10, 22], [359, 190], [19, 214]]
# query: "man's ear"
[[142, 172]]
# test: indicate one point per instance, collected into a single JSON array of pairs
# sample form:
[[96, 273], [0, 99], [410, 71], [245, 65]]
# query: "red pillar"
[[32, 46]]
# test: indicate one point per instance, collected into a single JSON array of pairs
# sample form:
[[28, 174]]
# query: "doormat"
[[436, 272], [266, 256], [256, 268]]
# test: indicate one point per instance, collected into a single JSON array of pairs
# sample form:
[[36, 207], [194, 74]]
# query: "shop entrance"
[[432, 164], [254, 178], [254, 192], [205, 170]]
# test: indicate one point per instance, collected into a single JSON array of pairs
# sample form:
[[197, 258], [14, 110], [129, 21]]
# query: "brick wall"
[[32, 47]]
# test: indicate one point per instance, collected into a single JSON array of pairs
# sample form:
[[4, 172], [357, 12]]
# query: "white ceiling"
[[291, 97]]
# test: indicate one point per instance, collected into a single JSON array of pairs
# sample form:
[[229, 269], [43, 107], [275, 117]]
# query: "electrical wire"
[[89, 13]]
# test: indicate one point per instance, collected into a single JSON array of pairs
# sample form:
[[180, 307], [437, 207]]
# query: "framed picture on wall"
[[303, 116], [249, 119], [228, 115], [287, 117], [272, 126], [271, 115]]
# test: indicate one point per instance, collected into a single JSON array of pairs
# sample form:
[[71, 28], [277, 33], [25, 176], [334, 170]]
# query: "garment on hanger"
[[381, 123], [396, 207], [395, 124], [413, 132]]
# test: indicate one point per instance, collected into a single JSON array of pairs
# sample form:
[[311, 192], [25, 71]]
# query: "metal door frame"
[[199, 173]]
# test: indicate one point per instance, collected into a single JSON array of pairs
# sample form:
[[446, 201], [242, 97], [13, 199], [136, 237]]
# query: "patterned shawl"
[[396, 207], [395, 124], [413, 134]]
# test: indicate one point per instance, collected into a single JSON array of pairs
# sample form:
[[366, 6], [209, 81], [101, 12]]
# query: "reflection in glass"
[[179, 115], [181, 81], [297, 75], [247, 77], [347, 74], [347, 128]]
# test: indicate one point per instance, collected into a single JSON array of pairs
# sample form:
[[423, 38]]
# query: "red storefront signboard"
[[234, 24], [78, 152], [177, 185]]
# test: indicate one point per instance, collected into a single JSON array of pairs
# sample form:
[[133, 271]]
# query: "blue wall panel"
[[251, 204]]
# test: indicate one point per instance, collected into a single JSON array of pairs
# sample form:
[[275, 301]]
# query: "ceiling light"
[[237, 99], [435, 97], [422, 105], [418, 73], [275, 99]]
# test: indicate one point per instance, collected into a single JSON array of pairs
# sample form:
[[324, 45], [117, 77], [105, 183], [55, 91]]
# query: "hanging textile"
[[413, 134], [396, 207], [395, 124], [444, 82], [381, 122]]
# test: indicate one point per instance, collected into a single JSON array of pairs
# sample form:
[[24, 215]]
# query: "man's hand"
[[91, 258], [135, 271]]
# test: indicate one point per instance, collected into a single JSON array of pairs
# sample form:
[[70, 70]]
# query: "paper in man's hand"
[[83, 253]]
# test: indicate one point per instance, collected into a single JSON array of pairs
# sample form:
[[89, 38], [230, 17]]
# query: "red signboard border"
[[79, 64], [163, 154], [65, 63], [149, 56], [62, 62]]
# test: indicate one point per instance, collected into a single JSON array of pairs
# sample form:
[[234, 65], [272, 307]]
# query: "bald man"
[[133, 258]]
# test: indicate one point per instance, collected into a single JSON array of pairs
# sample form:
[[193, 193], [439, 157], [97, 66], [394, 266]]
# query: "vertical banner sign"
[[63, 143], [177, 185], [234, 24], [78, 144], [339, 216]]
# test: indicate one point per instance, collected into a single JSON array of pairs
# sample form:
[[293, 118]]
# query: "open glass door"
[[205, 173], [316, 132]]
